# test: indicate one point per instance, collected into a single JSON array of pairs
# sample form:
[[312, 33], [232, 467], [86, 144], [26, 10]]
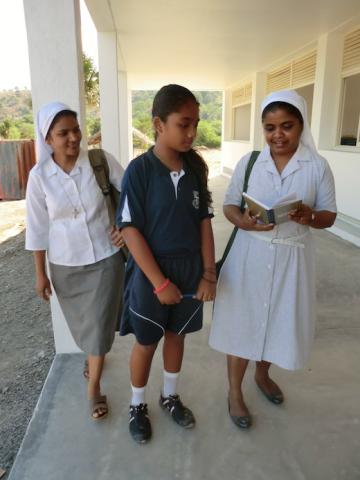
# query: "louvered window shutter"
[[298, 73], [241, 95], [351, 58], [303, 71], [279, 79]]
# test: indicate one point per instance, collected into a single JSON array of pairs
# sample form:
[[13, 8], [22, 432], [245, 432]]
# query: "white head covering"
[[292, 97], [44, 118]]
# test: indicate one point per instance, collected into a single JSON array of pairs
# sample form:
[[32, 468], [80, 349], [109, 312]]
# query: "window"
[[350, 121], [350, 112], [241, 111], [241, 122], [308, 93]]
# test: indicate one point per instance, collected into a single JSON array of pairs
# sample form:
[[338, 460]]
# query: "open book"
[[276, 213]]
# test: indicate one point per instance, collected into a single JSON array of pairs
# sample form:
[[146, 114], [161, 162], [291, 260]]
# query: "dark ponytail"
[[170, 99]]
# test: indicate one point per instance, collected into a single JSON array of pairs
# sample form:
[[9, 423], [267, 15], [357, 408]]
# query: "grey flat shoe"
[[243, 421], [275, 398]]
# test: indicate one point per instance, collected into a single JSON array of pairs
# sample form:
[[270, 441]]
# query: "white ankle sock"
[[138, 395], [170, 383]]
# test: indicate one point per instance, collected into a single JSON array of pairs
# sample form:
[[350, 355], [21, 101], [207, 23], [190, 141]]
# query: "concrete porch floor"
[[314, 435]]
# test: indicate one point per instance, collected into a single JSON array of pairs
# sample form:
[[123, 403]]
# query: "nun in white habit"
[[265, 302], [67, 220]]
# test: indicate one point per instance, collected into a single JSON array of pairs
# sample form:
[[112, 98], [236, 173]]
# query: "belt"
[[293, 241]]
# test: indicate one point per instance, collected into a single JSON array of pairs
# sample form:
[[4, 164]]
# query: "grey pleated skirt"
[[90, 297]]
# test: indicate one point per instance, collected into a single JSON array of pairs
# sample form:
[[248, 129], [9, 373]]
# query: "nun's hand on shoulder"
[[251, 222], [116, 237]]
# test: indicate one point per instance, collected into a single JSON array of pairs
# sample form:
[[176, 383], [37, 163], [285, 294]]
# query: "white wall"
[[232, 151], [242, 116], [346, 169]]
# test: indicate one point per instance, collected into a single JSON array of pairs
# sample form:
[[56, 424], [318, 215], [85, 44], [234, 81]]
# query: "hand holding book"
[[276, 213], [303, 215], [250, 222]]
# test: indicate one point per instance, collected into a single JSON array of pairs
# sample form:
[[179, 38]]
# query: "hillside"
[[209, 130], [16, 118]]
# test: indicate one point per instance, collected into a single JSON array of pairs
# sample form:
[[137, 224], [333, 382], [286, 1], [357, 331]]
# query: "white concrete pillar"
[[54, 43], [327, 90], [56, 69], [227, 126], [258, 95], [125, 115], [227, 117], [114, 98]]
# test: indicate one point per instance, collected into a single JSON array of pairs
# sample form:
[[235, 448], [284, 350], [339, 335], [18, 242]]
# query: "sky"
[[14, 62]]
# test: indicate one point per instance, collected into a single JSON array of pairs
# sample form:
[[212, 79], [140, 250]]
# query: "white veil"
[[292, 97], [44, 118]]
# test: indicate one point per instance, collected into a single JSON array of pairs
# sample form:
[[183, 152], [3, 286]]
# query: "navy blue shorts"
[[145, 316]]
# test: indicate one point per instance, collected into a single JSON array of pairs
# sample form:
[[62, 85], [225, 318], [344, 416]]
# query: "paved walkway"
[[314, 435]]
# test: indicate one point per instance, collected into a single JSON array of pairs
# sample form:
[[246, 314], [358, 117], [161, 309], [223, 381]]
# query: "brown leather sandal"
[[86, 372], [96, 404]]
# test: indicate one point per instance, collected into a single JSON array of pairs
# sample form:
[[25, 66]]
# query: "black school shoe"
[[139, 423], [181, 415]]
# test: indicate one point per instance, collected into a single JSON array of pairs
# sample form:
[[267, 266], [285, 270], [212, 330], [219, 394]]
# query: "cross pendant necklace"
[[75, 210]]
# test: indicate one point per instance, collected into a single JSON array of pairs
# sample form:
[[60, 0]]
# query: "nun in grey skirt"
[[90, 298], [67, 220]]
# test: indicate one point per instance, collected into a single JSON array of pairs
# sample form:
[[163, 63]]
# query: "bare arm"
[[43, 288], [144, 258], [244, 220], [207, 286]]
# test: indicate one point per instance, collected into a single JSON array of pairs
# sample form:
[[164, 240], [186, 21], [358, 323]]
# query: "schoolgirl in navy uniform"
[[165, 218]]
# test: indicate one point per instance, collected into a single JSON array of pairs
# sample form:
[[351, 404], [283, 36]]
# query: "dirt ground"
[[26, 342], [26, 337]]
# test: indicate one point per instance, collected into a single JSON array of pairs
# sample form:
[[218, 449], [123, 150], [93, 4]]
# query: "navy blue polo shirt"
[[165, 206]]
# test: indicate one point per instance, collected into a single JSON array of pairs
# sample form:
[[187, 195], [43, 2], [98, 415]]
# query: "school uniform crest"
[[196, 199]]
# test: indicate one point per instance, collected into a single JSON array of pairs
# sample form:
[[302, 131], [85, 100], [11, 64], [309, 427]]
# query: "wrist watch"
[[313, 216]]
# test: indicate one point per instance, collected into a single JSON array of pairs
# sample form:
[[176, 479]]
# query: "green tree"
[[8, 130], [92, 125], [208, 135], [209, 130], [5, 127], [91, 81], [26, 129], [144, 123]]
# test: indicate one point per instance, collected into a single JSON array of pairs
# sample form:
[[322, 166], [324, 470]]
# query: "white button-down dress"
[[265, 303]]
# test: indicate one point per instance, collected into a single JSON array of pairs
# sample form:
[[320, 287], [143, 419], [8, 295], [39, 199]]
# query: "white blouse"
[[67, 213]]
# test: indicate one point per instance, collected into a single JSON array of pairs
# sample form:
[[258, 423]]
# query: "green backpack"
[[100, 166]]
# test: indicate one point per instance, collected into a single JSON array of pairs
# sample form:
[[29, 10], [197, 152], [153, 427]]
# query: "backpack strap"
[[253, 157], [100, 166]]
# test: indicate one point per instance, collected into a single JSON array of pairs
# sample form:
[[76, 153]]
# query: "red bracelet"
[[161, 287]]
